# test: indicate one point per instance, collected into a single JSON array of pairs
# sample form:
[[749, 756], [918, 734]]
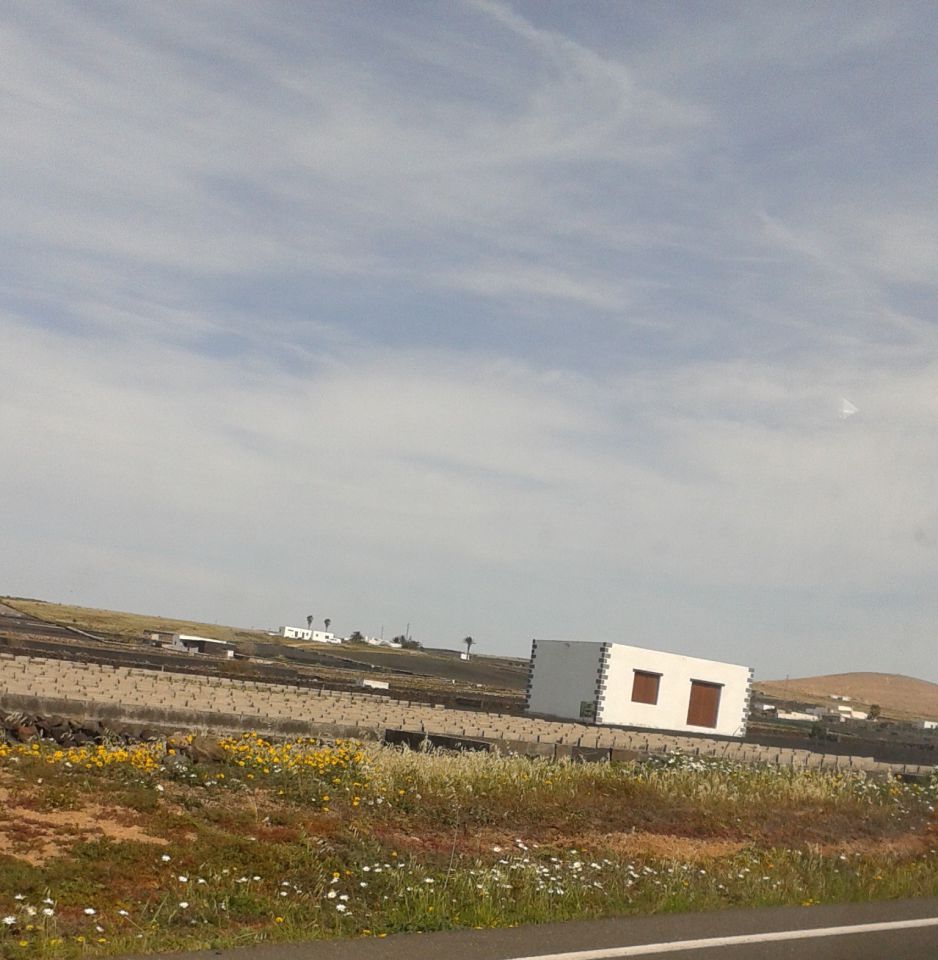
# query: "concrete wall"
[[296, 633], [677, 672], [564, 675]]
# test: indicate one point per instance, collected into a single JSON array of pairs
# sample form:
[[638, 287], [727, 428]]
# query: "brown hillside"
[[897, 695]]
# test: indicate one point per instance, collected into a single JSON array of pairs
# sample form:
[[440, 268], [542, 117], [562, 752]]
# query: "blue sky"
[[500, 319]]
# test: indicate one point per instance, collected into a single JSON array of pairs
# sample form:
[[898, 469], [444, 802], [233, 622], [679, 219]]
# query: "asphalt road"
[[775, 934]]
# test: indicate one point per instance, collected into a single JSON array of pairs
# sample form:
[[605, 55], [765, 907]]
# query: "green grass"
[[282, 842]]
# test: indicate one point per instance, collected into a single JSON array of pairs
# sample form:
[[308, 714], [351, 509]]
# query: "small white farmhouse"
[[619, 684], [187, 643], [301, 633]]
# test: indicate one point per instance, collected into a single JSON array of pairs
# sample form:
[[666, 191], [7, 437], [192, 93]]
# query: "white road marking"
[[673, 946]]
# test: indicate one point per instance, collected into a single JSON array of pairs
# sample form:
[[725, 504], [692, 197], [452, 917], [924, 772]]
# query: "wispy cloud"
[[490, 318]]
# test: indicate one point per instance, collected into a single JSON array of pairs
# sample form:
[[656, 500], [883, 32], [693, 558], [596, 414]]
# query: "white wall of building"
[[674, 686], [564, 675], [296, 633]]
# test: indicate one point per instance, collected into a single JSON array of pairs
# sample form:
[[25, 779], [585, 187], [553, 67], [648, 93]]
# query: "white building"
[[187, 643], [837, 713], [301, 633], [632, 686], [381, 642], [795, 715]]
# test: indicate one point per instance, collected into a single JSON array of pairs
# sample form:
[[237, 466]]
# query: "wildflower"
[[9, 921], [19, 896], [331, 895], [90, 911], [341, 907], [123, 913], [278, 919], [183, 879], [166, 858], [184, 904], [48, 912]]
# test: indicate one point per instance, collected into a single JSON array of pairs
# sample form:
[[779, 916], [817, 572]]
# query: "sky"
[[498, 319]]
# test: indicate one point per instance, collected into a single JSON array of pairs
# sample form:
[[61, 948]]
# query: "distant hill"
[[899, 696]]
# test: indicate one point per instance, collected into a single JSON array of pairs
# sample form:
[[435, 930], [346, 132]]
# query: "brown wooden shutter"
[[704, 704], [645, 687]]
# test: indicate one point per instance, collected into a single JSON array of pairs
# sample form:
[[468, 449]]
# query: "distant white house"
[[374, 684], [849, 713], [838, 713], [927, 724], [186, 643], [795, 715], [301, 633], [621, 684], [381, 642]]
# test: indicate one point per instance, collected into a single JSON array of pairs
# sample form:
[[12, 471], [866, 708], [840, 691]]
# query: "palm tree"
[[469, 642], [327, 621], [309, 621]]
